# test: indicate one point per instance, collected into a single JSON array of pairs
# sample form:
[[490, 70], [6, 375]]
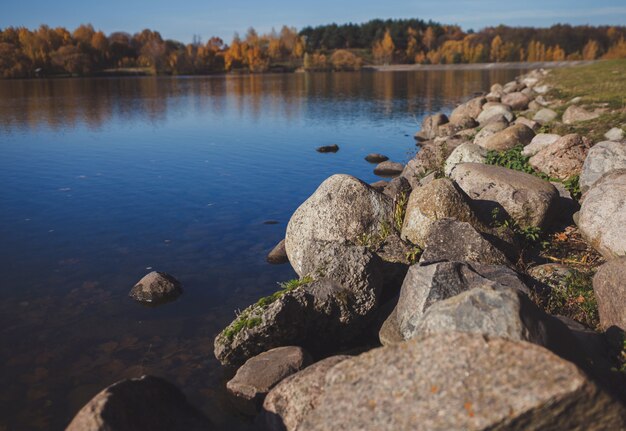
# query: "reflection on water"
[[105, 179]]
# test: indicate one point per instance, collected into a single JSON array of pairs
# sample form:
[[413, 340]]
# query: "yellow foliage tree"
[[591, 50], [496, 47]]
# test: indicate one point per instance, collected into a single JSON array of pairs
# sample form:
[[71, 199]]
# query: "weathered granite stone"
[[431, 123], [517, 101], [609, 286], [156, 287], [471, 108], [539, 142], [518, 134], [388, 168], [465, 153], [574, 114], [602, 158], [545, 116], [278, 255], [562, 159], [615, 134]]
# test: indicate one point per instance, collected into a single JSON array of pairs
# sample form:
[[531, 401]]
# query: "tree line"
[[49, 51]]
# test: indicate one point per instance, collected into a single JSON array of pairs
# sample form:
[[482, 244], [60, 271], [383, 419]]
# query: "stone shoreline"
[[419, 300]]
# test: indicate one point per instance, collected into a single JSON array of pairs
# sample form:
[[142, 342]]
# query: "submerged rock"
[[156, 287], [259, 374], [328, 148], [278, 255], [146, 403], [461, 381]]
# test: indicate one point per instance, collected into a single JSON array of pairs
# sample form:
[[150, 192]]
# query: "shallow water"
[[103, 180]]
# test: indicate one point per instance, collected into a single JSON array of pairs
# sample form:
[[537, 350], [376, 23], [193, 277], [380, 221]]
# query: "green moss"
[[243, 321]]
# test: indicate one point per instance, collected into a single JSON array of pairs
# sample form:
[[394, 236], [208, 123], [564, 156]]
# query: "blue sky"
[[180, 20]]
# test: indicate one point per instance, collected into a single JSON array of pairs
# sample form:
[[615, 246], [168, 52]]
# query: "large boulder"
[[343, 208], [495, 110], [440, 198], [324, 312], [602, 158], [609, 286], [545, 116], [442, 243], [156, 287], [471, 109], [146, 403], [465, 153], [562, 159], [574, 114], [539, 142], [602, 217], [430, 124], [259, 374], [517, 101], [427, 283], [462, 382], [525, 198], [518, 134], [286, 405]]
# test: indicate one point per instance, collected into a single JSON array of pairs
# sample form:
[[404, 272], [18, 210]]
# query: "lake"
[[106, 179]]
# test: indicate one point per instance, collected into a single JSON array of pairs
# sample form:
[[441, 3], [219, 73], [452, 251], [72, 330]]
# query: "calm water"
[[104, 179]]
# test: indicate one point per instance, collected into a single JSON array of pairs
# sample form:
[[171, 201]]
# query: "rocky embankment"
[[435, 301]]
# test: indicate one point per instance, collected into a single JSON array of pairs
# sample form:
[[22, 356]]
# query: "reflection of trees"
[[94, 102]]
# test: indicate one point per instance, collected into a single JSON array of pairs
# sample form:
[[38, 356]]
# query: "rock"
[[388, 168], [427, 283], [574, 114], [602, 158], [431, 123], [533, 106], [541, 100], [442, 243], [545, 116], [278, 255], [343, 208], [542, 89], [259, 374], [562, 159], [292, 399], [496, 88], [429, 159], [156, 287], [439, 199], [512, 87], [328, 311], [376, 158], [515, 135], [471, 109], [494, 111], [528, 92], [539, 142], [397, 187], [379, 186], [465, 153], [517, 101], [328, 149], [494, 96], [489, 130], [602, 218], [566, 206], [144, 403], [451, 129], [550, 274], [576, 99], [460, 382], [390, 331], [615, 134], [609, 286], [533, 125], [492, 311], [525, 198]]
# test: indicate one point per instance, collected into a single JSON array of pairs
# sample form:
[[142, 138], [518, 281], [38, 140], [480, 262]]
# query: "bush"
[[345, 60]]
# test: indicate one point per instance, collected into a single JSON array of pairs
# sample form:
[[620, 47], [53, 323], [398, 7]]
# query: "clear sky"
[[180, 20]]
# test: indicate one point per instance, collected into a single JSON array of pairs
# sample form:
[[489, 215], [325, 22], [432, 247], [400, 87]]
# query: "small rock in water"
[[376, 158], [388, 168], [278, 255], [328, 149], [271, 222], [156, 287]]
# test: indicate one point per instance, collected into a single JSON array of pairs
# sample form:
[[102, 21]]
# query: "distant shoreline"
[[475, 66]]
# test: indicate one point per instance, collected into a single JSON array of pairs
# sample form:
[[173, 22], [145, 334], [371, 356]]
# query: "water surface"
[[103, 180]]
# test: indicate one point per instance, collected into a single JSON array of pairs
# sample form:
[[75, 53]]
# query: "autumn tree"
[[383, 49], [591, 50]]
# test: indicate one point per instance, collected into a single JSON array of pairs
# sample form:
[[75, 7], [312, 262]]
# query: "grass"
[[373, 241], [399, 210], [573, 297]]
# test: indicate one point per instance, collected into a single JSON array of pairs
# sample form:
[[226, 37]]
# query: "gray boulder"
[[602, 158], [615, 134], [156, 287], [454, 240], [440, 198], [562, 159], [602, 217], [518, 134], [525, 198], [517, 101], [388, 168], [459, 382], [512, 87], [425, 284], [574, 114], [431, 157], [495, 110], [397, 187], [430, 124], [471, 109], [539, 142], [278, 255], [327, 311], [259, 374], [451, 129], [343, 208], [545, 116], [609, 286], [490, 129], [292, 399], [465, 153], [139, 404], [532, 124]]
